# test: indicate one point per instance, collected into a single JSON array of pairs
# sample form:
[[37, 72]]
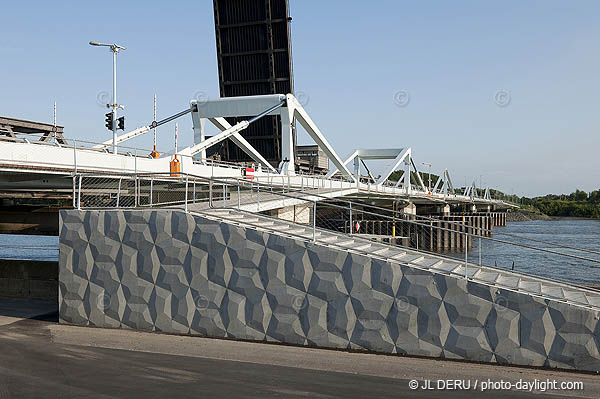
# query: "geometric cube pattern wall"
[[165, 270]]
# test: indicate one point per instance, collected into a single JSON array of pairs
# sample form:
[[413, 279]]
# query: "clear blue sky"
[[350, 58]]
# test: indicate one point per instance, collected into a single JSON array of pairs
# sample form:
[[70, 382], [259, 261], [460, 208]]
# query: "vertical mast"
[[154, 119], [54, 121], [176, 128]]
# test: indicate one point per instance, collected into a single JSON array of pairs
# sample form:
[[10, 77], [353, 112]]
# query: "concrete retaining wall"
[[174, 272], [29, 279]]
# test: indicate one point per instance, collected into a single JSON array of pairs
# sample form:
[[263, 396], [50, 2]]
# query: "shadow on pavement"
[[29, 309]]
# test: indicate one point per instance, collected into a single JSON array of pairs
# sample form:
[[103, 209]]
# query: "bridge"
[[343, 260], [45, 167]]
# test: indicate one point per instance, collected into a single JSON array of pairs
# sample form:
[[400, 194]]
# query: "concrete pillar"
[[444, 210], [452, 241], [410, 209], [302, 214]]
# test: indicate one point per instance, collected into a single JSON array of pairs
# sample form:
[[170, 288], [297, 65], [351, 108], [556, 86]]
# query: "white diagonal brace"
[[397, 161], [419, 180], [334, 170], [311, 128], [196, 148], [437, 183], [240, 141], [449, 181]]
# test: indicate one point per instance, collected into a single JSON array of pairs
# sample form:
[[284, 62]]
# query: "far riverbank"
[[526, 215]]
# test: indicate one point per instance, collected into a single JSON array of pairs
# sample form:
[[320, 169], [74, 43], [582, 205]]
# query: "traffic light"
[[121, 123], [109, 121]]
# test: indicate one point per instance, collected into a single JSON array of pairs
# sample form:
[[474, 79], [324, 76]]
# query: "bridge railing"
[[471, 244], [80, 147]]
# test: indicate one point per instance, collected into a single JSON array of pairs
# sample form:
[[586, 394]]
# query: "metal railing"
[[312, 207], [80, 149], [78, 146]]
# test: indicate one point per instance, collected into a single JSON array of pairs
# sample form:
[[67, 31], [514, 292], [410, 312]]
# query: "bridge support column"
[[444, 210], [445, 235], [295, 213], [410, 209]]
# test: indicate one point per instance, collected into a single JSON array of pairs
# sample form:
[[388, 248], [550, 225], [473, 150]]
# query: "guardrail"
[[78, 145], [312, 207]]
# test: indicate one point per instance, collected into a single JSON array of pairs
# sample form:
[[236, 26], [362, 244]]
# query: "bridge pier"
[[302, 214], [444, 210], [410, 209]]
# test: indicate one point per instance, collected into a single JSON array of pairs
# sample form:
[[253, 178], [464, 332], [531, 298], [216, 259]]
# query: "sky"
[[506, 93]]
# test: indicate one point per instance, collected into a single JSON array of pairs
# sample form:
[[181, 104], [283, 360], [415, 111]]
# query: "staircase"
[[504, 279]]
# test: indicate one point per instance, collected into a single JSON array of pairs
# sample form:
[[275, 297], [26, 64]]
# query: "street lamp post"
[[114, 48], [429, 174]]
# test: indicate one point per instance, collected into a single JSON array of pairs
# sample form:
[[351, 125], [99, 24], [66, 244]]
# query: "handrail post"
[[135, 191], [351, 229], [466, 251], [194, 199], [74, 191], [119, 191], [79, 193], [151, 181], [314, 220], [257, 198], [75, 155], [480, 250], [186, 192], [210, 195], [239, 196]]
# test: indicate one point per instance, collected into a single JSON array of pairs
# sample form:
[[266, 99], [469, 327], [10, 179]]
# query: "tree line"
[[576, 204]]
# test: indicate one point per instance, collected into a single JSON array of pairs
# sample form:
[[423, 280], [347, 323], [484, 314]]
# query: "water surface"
[[29, 247], [579, 233]]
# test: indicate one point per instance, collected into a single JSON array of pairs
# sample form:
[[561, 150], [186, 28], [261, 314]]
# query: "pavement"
[[39, 357]]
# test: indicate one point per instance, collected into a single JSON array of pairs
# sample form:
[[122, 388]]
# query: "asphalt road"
[[39, 358]]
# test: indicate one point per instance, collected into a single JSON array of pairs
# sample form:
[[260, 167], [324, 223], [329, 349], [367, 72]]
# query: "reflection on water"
[[579, 233], [16, 246]]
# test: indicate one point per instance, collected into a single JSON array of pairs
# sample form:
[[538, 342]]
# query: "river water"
[[580, 233], [16, 246]]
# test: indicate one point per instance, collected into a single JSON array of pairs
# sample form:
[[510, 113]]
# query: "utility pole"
[[114, 48], [54, 126], [154, 153]]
